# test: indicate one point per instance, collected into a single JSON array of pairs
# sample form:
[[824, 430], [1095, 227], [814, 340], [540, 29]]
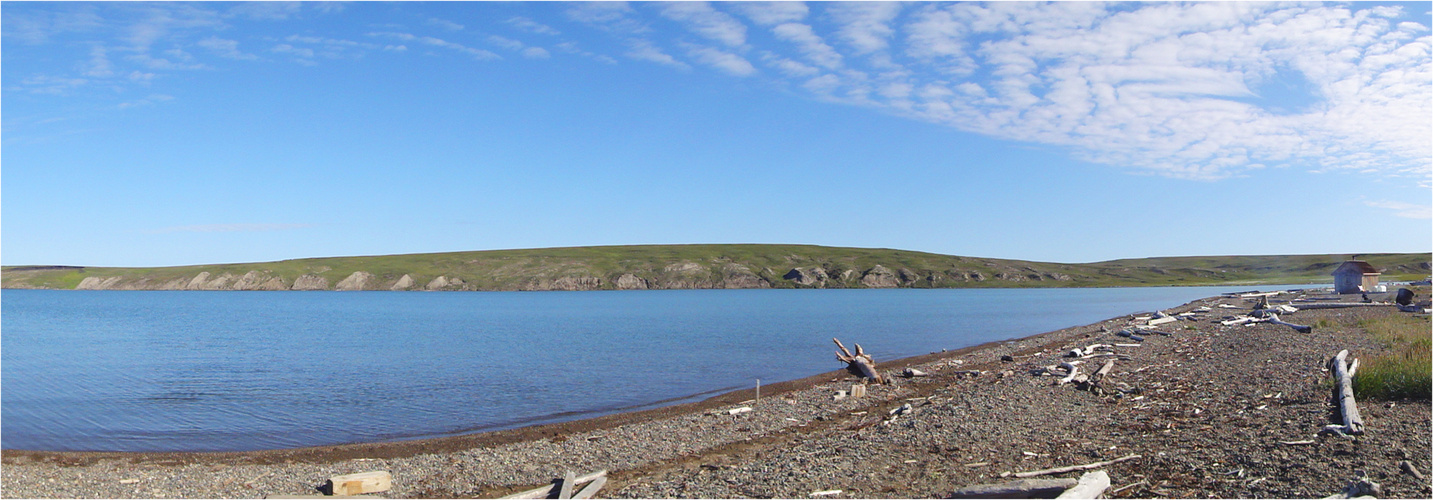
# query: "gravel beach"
[[1210, 409]]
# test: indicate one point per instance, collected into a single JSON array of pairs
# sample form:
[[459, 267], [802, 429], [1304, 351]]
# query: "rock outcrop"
[[356, 281], [310, 282], [879, 277], [97, 283], [403, 283], [739, 276], [812, 277], [630, 281]]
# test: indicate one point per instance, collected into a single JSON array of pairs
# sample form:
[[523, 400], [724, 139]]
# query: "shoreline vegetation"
[[1210, 407], [647, 267]]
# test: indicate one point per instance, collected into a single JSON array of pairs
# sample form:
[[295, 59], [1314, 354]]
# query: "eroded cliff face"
[[673, 275]]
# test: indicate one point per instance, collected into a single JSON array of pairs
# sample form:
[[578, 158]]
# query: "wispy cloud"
[[1405, 210], [724, 61], [229, 228], [225, 48], [530, 26], [147, 101], [702, 19], [479, 54], [644, 50], [772, 13], [445, 24]]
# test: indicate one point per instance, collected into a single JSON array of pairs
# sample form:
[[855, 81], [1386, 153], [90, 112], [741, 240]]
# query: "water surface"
[[226, 371]]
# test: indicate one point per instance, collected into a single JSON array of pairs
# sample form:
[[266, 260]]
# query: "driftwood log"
[[859, 364], [1073, 468], [1023, 488], [1343, 372], [1091, 485]]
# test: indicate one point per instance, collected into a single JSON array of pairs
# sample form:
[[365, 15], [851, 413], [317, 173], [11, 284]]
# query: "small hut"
[[1355, 276]]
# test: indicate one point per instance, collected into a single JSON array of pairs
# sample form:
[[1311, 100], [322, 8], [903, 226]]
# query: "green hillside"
[[702, 266]]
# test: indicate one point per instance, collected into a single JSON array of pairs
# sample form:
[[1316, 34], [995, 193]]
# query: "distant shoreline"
[[681, 267]]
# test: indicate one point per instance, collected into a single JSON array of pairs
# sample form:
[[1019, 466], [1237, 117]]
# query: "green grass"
[[1405, 370]]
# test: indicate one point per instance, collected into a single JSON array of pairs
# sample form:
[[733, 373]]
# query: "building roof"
[[1355, 266]]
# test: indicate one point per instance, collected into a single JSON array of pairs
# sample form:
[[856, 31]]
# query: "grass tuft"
[[1405, 370]]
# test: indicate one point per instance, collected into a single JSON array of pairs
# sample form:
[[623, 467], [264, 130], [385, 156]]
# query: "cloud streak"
[[229, 228]]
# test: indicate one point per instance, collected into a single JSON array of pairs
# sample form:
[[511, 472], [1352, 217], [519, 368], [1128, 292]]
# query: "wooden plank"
[[363, 482], [547, 491], [565, 492], [591, 489]]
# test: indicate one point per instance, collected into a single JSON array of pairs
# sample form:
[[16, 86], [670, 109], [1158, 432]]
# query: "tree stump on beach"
[[859, 364]]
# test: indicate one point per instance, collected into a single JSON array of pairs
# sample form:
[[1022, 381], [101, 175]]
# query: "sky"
[[163, 134]]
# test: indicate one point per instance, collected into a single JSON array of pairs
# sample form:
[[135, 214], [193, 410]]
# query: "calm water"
[[213, 371]]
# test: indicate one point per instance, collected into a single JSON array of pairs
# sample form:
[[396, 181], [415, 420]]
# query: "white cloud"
[[810, 45], [609, 16], [643, 50], [445, 24], [225, 48], [864, 25], [266, 11], [147, 101], [702, 19], [789, 67], [536, 53], [772, 13], [479, 54], [531, 26], [506, 43], [1405, 210], [99, 65], [285, 48], [725, 61]]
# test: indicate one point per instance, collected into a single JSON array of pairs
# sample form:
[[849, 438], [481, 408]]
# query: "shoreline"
[[1207, 408]]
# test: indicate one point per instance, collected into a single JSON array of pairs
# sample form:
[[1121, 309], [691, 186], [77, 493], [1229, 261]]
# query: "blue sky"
[[139, 134]]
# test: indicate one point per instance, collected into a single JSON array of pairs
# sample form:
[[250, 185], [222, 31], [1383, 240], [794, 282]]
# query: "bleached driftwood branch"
[[1023, 488], [1343, 393], [1091, 485], [1073, 468]]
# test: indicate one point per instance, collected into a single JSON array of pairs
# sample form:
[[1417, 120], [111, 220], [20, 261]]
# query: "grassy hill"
[[702, 266]]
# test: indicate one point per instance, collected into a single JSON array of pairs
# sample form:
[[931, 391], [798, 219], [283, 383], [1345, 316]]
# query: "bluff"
[[658, 267]]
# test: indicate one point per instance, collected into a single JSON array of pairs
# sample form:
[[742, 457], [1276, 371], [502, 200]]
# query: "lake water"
[[227, 371]]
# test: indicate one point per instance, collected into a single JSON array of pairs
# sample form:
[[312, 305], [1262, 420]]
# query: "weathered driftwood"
[[591, 489], [1341, 305], [1274, 318], [1073, 468], [1360, 488], [1343, 395], [912, 373], [1104, 370], [1070, 372], [1091, 485], [555, 489], [859, 364], [1023, 488], [565, 490], [1161, 321], [1268, 317]]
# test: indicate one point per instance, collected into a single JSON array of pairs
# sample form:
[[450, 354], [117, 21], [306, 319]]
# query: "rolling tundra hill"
[[702, 266]]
